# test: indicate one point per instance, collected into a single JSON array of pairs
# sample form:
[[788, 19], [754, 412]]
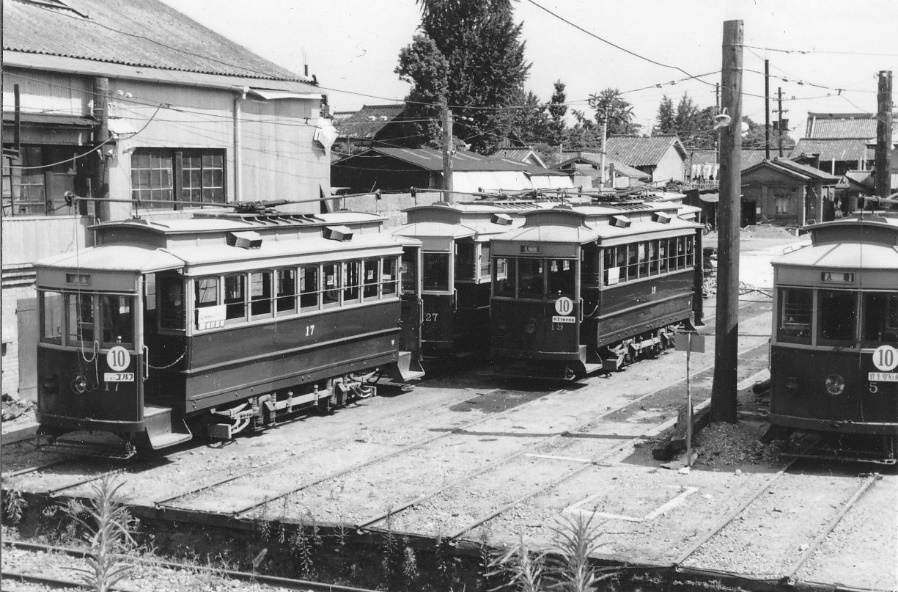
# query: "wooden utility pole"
[[723, 393], [767, 109], [602, 160], [883, 134], [779, 123], [448, 197]]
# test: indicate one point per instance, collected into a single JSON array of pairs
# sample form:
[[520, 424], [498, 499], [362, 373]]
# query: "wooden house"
[[784, 192]]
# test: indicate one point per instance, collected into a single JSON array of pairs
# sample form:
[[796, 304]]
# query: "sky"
[[825, 55]]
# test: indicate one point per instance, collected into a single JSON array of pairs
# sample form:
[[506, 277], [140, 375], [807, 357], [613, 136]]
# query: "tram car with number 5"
[[221, 322], [587, 288], [833, 355]]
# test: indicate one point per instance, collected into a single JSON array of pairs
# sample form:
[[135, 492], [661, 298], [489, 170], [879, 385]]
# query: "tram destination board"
[[882, 376]]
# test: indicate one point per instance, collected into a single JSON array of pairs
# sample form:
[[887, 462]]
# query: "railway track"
[[46, 551]]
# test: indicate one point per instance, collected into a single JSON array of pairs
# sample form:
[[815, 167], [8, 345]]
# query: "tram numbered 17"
[[835, 332], [221, 323]]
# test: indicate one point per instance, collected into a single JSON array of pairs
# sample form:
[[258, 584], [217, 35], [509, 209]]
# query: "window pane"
[[485, 261], [80, 321], [286, 290], [409, 271], [116, 319], [331, 289], [837, 315], [235, 289], [504, 273], [881, 317], [206, 292], [388, 285], [308, 287], [796, 312], [171, 302], [436, 271], [51, 317], [561, 278], [464, 260], [351, 281], [260, 293], [151, 176], [371, 278], [530, 274]]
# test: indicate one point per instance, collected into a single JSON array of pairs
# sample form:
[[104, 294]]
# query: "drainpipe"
[[238, 193]]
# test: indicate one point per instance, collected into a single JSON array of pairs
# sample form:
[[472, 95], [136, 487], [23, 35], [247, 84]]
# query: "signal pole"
[[448, 197], [723, 392]]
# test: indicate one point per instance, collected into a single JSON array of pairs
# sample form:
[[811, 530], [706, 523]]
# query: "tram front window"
[[80, 321], [561, 278], [837, 316], [51, 317], [880, 317], [796, 312], [117, 320], [436, 271], [504, 277], [530, 282]]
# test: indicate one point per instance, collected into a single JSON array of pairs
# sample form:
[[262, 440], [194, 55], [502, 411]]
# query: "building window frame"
[[179, 175]]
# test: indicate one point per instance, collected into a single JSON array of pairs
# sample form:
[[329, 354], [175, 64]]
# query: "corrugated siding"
[[47, 93]]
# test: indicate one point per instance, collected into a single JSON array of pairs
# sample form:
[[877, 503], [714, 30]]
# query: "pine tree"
[[666, 116], [557, 110]]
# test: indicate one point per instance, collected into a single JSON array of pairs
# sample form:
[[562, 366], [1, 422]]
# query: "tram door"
[[164, 335], [412, 308]]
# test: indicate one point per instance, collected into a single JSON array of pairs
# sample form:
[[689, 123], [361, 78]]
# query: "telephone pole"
[[448, 197], [602, 160], [723, 392], [779, 123], [883, 134], [767, 109]]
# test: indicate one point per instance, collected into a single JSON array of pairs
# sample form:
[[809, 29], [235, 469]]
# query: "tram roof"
[[200, 222], [853, 255], [122, 258]]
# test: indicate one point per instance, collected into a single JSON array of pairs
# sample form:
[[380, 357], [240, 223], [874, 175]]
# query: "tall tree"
[[529, 120], [618, 111], [422, 64], [666, 117], [486, 70], [557, 110], [692, 124], [754, 137]]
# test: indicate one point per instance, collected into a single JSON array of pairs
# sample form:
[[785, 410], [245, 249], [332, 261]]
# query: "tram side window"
[[632, 259], [503, 277], [331, 288], [352, 279], [796, 312], [436, 271], [663, 263], [370, 279], [561, 278], [530, 274], [309, 287], [484, 262], [51, 317], [235, 297], [116, 319], [260, 293], [880, 317], [410, 271], [388, 277], [285, 290], [170, 297], [464, 260], [837, 315], [206, 296], [612, 266], [80, 318], [643, 257]]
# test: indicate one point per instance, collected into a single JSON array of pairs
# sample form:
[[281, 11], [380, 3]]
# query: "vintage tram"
[[584, 288], [221, 322], [835, 333]]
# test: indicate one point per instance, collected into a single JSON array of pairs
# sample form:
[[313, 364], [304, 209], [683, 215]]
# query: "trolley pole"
[[448, 197], [883, 134], [723, 393]]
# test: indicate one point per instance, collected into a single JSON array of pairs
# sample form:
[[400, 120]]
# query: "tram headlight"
[[834, 384], [530, 326]]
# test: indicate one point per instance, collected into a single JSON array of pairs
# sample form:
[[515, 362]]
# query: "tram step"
[[163, 429], [408, 367]]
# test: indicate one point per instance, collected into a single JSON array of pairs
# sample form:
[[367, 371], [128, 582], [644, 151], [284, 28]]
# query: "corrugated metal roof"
[[641, 151], [834, 149], [145, 33], [367, 121]]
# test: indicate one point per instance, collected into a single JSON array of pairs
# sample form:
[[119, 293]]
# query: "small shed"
[[662, 156], [784, 192]]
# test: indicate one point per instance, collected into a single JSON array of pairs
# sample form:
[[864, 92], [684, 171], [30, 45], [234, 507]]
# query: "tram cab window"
[[880, 317], [485, 261], [795, 315], [389, 276], [837, 315], [409, 271], [530, 278], [51, 317], [331, 289], [116, 320], [285, 291], [352, 278], [80, 318], [464, 260], [309, 287], [260, 293], [504, 272], [235, 297], [436, 271], [561, 278]]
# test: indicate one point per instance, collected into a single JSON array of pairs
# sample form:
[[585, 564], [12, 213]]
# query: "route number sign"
[[564, 306], [885, 358], [118, 359]]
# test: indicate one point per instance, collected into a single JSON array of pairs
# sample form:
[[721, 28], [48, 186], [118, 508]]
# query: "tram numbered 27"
[[222, 322], [578, 289], [835, 332]]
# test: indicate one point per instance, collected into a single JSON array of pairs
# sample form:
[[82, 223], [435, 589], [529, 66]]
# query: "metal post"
[[723, 394]]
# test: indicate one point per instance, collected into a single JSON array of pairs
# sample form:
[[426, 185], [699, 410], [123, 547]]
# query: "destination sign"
[[836, 277], [882, 376], [118, 376], [558, 319]]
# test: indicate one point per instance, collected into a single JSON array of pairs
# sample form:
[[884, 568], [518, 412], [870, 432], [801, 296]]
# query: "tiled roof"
[[595, 159], [641, 151], [370, 119], [834, 149], [749, 157], [432, 160], [790, 166], [841, 125], [143, 33]]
